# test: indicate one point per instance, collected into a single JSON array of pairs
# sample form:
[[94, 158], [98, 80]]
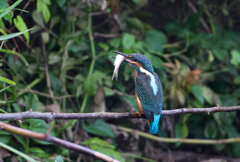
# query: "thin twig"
[[176, 140], [24, 7], [109, 115], [46, 95], [96, 34], [90, 35], [47, 73], [56, 141], [204, 24], [97, 13], [209, 18]]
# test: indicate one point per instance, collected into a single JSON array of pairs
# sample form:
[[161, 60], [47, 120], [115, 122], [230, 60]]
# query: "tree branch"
[[54, 140], [48, 117]]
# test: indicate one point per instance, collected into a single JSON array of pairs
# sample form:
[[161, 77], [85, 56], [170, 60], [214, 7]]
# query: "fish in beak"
[[118, 60]]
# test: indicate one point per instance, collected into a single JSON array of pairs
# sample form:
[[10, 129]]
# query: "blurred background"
[[64, 65]]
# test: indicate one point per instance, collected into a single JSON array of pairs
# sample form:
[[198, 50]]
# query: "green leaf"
[[235, 60], [21, 26], [7, 10], [2, 24], [23, 141], [7, 81], [37, 18], [210, 130], [42, 7], [57, 159], [5, 138], [210, 56], [128, 40], [178, 130], [134, 22], [197, 93], [1, 90], [103, 147], [54, 20], [116, 42], [155, 39], [90, 85], [38, 152], [108, 91], [9, 36], [232, 132], [224, 120], [237, 80], [15, 53], [104, 46], [235, 149], [207, 94], [46, 13], [156, 61], [16, 107], [194, 21], [53, 58], [185, 130], [180, 96], [45, 37], [79, 90], [99, 128], [40, 126], [136, 1], [220, 53]]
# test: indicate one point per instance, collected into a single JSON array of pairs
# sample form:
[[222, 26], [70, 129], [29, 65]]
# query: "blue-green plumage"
[[148, 89], [151, 103]]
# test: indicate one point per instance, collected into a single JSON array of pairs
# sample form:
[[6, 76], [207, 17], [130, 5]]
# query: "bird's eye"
[[132, 58]]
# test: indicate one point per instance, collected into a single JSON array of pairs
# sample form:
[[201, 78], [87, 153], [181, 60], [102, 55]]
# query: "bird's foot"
[[139, 113]]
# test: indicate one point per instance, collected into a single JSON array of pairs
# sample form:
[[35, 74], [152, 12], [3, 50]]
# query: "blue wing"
[[151, 102]]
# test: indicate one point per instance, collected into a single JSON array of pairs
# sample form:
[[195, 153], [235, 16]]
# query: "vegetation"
[[64, 64]]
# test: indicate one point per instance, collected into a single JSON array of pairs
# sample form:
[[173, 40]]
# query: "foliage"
[[68, 52]]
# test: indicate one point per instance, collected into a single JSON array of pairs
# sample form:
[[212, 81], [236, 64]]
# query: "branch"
[[176, 140], [48, 117], [204, 24], [54, 140]]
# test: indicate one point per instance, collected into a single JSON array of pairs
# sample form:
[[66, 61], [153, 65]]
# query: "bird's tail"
[[154, 126]]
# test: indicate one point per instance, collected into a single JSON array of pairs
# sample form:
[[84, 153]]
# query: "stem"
[[90, 34], [47, 73], [137, 157], [176, 140], [84, 103], [17, 152], [209, 18], [28, 88], [92, 44], [44, 94]]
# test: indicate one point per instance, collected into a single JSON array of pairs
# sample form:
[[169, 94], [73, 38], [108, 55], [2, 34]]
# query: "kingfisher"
[[148, 88]]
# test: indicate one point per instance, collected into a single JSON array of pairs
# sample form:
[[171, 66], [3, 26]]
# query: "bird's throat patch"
[[153, 83]]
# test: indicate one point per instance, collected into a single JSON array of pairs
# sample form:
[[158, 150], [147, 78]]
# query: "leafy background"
[[64, 64]]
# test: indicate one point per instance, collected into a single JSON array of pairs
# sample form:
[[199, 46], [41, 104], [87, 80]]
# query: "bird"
[[148, 89]]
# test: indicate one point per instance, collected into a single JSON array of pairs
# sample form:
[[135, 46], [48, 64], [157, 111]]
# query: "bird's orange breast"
[[137, 99]]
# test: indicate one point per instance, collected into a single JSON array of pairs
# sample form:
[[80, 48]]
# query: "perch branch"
[[48, 117], [54, 140]]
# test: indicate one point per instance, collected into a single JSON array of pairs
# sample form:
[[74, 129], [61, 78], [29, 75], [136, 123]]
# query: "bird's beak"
[[120, 53], [125, 57]]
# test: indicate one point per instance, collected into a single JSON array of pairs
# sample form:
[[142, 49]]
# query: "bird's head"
[[138, 61]]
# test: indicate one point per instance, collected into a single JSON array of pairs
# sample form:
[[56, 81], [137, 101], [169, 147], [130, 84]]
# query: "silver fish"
[[117, 63]]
